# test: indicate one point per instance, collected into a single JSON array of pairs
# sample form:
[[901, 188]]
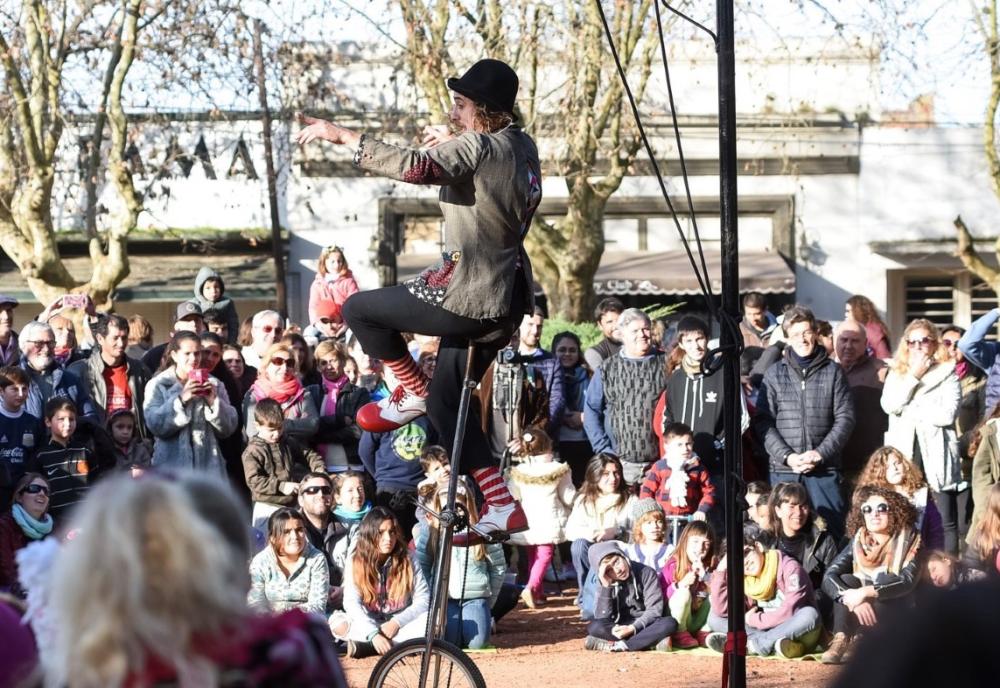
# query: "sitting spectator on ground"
[[28, 520], [9, 351], [315, 502], [679, 482], [165, 599], [140, 337], [545, 489], [70, 461], [338, 401], [276, 380], [805, 416], [476, 573], [187, 319], [921, 396], [333, 285], [48, 378], [861, 310], [606, 315], [351, 506], [757, 496], [188, 411], [385, 594], [274, 463], [781, 616], [266, 329], [621, 397], [649, 535], [983, 551], [601, 511], [133, 453], [289, 573], [686, 579], [888, 468], [758, 323], [112, 380], [866, 378], [799, 533], [22, 432], [877, 571], [629, 615], [209, 296], [948, 572]]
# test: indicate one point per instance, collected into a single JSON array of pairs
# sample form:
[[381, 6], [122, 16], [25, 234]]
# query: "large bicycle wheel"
[[449, 667]]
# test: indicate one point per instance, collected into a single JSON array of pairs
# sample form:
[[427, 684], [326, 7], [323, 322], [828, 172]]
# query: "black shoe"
[[358, 649]]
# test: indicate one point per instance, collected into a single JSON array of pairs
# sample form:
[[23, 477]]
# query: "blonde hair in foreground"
[[156, 561]]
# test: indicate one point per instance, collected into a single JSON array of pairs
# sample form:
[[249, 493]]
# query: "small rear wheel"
[[448, 667]]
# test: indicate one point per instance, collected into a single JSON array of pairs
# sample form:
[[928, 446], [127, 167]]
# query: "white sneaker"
[[391, 413]]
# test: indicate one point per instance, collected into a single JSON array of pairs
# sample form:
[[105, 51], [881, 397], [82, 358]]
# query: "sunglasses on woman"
[[923, 341], [278, 361], [318, 489], [35, 489], [868, 509]]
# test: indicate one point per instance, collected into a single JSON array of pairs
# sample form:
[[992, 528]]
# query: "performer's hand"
[[436, 134], [320, 129]]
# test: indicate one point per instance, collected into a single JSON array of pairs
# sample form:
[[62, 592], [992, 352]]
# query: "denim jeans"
[[474, 632], [581, 563], [804, 621]]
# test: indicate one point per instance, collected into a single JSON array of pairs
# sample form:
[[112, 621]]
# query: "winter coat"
[[799, 410], [636, 601], [922, 418], [393, 458], [588, 520], [301, 417], [819, 546], [90, 371], [327, 297], [65, 383], [482, 579], [12, 539], [985, 473], [340, 428], [138, 454], [268, 465], [306, 587], [546, 492], [187, 435], [365, 620], [866, 380], [700, 489], [754, 337], [223, 306], [794, 591]]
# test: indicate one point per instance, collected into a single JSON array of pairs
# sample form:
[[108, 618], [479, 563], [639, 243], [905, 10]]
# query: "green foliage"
[[588, 332]]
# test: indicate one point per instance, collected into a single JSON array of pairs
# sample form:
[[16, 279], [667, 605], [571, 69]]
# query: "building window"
[[958, 298]]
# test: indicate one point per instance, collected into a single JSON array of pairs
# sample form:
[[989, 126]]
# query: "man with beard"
[[606, 314]]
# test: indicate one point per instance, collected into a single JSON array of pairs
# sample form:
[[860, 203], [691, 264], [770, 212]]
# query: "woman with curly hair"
[[984, 544], [861, 310], [921, 397], [877, 570], [385, 594], [888, 468]]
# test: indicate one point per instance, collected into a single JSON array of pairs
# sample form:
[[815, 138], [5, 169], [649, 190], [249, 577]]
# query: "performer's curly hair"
[[491, 120], [901, 512]]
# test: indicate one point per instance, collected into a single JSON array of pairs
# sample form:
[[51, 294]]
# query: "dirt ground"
[[544, 647]]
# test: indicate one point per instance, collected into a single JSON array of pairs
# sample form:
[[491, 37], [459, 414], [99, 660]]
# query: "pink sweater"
[[794, 590], [326, 298]]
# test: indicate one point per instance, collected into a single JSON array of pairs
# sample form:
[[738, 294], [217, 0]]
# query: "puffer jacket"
[[471, 578], [90, 371], [588, 520], [546, 493], [922, 416], [799, 410]]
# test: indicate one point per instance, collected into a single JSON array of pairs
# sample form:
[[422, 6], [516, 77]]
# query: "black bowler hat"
[[490, 82]]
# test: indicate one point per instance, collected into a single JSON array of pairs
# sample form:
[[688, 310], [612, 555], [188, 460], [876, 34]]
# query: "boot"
[[835, 653], [391, 413]]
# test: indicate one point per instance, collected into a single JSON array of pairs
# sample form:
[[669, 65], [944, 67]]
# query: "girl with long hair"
[[861, 310], [921, 396], [386, 596], [686, 577], [574, 447], [888, 468], [289, 573], [601, 511], [276, 379]]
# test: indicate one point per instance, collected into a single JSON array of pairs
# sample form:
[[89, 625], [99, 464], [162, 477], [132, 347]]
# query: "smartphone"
[[200, 376]]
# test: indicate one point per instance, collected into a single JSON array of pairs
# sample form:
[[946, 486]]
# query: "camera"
[[509, 356]]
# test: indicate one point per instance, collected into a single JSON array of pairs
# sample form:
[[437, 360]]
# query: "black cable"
[[652, 158]]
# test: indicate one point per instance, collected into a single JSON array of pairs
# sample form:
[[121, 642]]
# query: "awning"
[[661, 273]]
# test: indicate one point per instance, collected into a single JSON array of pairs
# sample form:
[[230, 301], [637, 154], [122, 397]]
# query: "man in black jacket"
[[805, 415]]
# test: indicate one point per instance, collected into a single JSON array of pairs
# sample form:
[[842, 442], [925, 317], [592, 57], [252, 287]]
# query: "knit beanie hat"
[[645, 506]]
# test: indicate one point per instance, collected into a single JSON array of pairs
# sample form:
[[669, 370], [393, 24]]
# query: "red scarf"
[[284, 392]]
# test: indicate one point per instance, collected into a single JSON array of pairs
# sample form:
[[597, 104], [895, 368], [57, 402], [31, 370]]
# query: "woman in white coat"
[[187, 410], [921, 396], [545, 490]]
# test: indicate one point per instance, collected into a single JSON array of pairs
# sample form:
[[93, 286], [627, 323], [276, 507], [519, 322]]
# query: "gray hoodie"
[[223, 306], [637, 601]]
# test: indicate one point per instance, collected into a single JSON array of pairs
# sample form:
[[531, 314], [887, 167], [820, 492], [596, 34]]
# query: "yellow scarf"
[[764, 586]]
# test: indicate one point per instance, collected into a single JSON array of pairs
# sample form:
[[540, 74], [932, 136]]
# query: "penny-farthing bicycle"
[[433, 662]]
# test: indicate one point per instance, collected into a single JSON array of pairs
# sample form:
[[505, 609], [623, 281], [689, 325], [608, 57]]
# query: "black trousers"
[[643, 640], [377, 317]]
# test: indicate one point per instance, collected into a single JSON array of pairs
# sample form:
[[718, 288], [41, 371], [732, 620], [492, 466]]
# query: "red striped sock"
[[409, 375], [492, 486]]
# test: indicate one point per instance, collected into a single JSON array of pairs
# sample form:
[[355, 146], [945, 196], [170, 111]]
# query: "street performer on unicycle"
[[476, 295]]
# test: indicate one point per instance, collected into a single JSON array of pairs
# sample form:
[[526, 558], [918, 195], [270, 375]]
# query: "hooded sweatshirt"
[[223, 306], [635, 601]]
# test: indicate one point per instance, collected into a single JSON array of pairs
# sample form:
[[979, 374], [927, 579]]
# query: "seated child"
[[629, 614], [649, 536], [948, 572], [686, 579], [132, 453], [781, 614], [678, 481], [209, 290], [758, 494]]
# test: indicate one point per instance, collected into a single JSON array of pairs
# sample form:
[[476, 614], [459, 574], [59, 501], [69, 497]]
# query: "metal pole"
[[277, 251], [732, 458]]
